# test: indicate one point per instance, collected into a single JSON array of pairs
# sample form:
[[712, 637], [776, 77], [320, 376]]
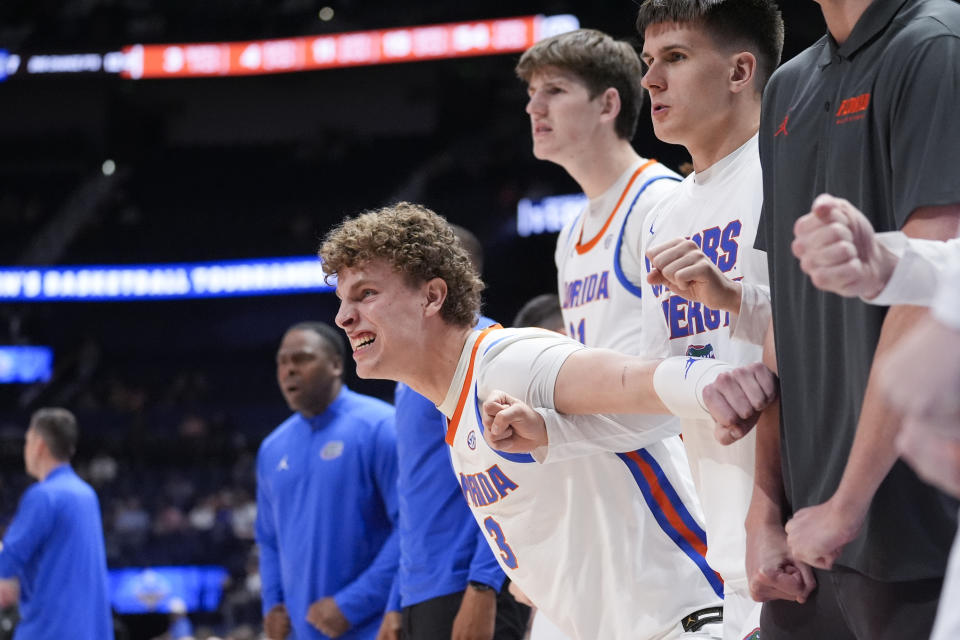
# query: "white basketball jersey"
[[596, 252], [718, 209], [607, 545]]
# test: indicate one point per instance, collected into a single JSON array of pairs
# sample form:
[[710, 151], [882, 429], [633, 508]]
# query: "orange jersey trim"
[[583, 248], [454, 422]]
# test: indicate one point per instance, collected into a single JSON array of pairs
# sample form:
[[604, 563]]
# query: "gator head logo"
[[701, 351], [753, 635]]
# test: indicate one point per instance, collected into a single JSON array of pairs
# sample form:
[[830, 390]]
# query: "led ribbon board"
[[234, 278]]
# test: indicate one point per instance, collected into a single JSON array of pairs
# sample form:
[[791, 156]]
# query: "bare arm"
[[604, 381], [818, 534], [772, 572]]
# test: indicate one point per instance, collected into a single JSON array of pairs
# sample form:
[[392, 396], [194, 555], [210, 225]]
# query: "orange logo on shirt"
[[853, 108], [783, 127]]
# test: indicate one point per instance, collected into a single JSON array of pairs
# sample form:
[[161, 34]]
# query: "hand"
[[682, 266], [9, 592], [933, 450], [390, 627], [276, 624], [510, 424], [839, 250], [737, 398], [477, 616], [325, 615], [921, 375], [816, 535], [772, 573], [519, 595]]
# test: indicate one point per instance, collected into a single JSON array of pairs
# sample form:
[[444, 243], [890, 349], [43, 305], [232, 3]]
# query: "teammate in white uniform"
[[585, 98], [564, 532], [705, 94]]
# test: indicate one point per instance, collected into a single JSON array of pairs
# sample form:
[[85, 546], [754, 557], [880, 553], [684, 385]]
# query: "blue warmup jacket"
[[326, 509], [54, 546], [441, 546]]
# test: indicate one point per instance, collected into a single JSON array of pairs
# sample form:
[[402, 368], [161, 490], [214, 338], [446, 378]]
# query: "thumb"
[[655, 277], [825, 208]]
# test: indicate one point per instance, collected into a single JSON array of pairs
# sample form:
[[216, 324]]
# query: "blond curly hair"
[[419, 244]]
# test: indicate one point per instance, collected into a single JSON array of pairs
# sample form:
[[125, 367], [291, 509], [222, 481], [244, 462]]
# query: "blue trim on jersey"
[[512, 457], [492, 344], [617, 269], [715, 582]]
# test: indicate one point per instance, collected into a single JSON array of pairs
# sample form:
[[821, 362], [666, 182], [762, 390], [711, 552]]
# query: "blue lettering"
[[603, 291], [729, 247], [500, 481], [711, 318], [711, 241], [697, 240], [679, 328], [486, 489], [575, 293], [591, 288], [695, 318], [475, 492]]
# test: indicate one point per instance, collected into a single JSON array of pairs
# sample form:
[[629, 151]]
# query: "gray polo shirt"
[[876, 121]]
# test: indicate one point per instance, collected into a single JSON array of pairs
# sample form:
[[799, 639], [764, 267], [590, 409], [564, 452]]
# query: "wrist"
[[480, 587], [733, 297], [886, 263]]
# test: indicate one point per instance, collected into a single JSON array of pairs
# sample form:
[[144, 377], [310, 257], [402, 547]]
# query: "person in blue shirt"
[[326, 498], [54, 546], [449, 584]]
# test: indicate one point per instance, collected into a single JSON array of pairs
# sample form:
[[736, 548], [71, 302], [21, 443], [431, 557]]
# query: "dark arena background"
[[103, 165]]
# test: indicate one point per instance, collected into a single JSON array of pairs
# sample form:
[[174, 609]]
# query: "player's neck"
[[841, 16], [599, 167], [726, 136], [434, 370], [45, 467]]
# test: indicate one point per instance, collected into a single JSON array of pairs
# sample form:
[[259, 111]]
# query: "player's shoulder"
[[921, 21], [796, 69], [281, 433], [495, 343]]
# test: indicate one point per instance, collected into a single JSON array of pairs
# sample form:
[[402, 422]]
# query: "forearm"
[[604, 381], [270, 584], [749, 322], [766, 504], [873, 453], [368, 594], [595, 381], [484, 566]]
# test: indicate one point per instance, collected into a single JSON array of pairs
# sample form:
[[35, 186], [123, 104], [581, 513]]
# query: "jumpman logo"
[[783, 127], [283, 466]]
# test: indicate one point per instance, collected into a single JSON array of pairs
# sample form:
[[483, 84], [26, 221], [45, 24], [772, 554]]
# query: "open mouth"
[[362, 343], [659, 109]]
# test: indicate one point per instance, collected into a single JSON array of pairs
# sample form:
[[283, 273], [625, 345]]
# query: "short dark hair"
[[58, 428], [600, 62], [330, 336], [755, 25], [540, 311]]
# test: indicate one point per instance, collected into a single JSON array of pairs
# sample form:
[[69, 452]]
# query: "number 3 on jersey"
[[579, 333], [506, 553]]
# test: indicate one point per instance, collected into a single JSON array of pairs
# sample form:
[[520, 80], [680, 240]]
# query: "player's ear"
[[610, 104], [743, 71], [435, 292]]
